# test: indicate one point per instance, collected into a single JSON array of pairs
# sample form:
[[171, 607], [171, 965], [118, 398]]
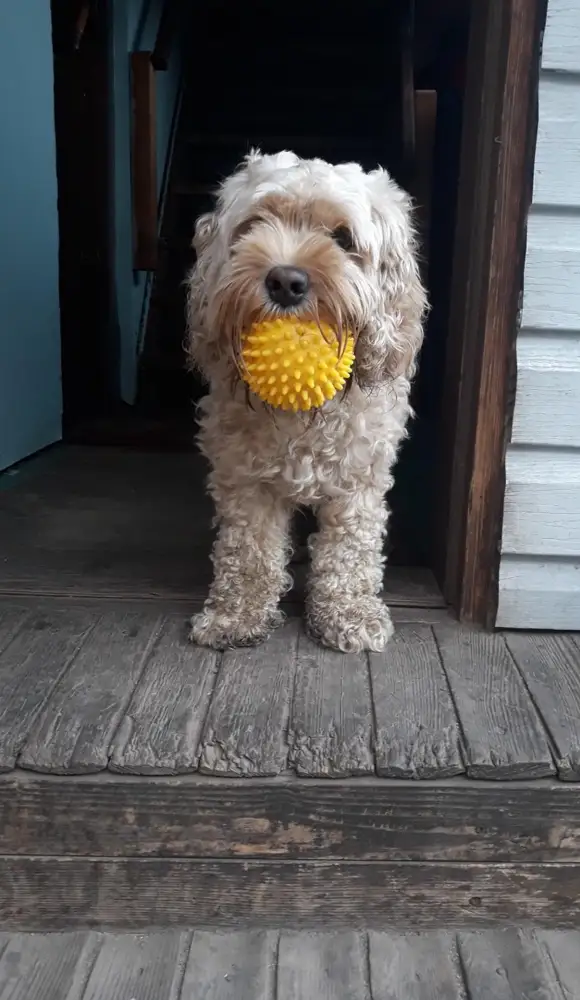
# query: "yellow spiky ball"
[[295, 365]]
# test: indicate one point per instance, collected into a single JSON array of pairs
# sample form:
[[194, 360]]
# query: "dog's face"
[[326, 243]]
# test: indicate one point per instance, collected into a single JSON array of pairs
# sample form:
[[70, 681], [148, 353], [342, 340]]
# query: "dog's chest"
[[351, 446]]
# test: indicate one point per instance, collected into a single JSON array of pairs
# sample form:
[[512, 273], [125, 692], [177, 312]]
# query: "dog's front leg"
[[344, 610], [249, 559]]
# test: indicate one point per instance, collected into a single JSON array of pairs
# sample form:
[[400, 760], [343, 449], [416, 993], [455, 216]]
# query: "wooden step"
[[148, 782], [515, 964]]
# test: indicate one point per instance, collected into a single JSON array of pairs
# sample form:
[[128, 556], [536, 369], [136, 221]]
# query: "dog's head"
[[327, 243]]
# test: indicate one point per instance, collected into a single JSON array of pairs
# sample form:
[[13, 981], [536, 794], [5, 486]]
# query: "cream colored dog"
[[334, 244]]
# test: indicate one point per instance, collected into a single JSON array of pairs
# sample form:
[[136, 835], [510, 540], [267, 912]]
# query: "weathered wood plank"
[[292, 819], [46, 967], [550, 665], [507, 964], [30, 667], [331, 724], [417, 734], [160, 731], [563, 948], [322, 966], [143, 966], [414, 966], [244, 733], [295, 895], [12, 619], [74, 732], [504, 738], [240, 965]]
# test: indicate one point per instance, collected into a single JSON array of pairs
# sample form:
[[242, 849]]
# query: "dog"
[[341, 245]]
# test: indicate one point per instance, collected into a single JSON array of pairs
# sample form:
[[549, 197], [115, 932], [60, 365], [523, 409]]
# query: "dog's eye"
[[343, 237], [244, 227]]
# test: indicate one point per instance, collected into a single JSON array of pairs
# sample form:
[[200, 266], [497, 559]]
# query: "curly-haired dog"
[[333, 244]]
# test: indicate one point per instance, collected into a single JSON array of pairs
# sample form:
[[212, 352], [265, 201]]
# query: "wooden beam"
[[500, 123]]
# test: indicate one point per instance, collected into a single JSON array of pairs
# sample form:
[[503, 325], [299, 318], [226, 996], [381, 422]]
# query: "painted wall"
[[540, 562], [135, 24], [30, 389]]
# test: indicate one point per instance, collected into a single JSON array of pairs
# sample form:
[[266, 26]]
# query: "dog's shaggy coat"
[[351, 233]]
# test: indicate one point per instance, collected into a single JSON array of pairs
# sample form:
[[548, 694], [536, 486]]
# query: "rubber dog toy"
[[295, 365]]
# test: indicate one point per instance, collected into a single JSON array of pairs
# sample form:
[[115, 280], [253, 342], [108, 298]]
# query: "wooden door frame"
[[494, 196], [82, 95]]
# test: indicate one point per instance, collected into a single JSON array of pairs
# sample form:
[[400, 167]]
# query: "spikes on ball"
[[295, 365]]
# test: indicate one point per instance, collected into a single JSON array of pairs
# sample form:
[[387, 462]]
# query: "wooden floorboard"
[[417, 731], [415, 967], [120, 687], [331, 723], [122, 524], [515, 964], [245, 729], [509, 964], [332, 966], [503, 735], [550, 666]]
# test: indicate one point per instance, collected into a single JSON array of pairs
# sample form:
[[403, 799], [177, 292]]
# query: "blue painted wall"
[[30, 386], [135, 24]]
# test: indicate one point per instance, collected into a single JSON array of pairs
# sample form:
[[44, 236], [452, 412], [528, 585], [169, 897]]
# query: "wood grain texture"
[[74, 732], [322, 966], [239, 965], [504, 738], [563, 948], [459, 820], [245, 730], [330, 728], [135, 894], [496, 162], [161, 728], [414, 966], [558, 145], [30, 668], [140, 966], [507, 965], [417, 734], [50, 967], [550, 666]]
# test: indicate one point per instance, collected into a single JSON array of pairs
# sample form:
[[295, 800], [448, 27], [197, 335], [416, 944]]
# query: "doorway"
[[447, 499]]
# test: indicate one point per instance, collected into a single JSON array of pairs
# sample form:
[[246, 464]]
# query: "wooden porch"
[[150, 783]]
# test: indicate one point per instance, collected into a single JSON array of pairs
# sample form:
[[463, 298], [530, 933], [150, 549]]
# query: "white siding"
[[540, 560]]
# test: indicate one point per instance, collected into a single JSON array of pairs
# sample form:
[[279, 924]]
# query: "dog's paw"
[[351, 626], [220, 630]]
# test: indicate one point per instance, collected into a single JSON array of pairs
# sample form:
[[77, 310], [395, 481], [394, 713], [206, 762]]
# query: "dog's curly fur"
[[352, 232]]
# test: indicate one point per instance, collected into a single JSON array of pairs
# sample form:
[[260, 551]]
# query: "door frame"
[[82, 95], [494, 197]]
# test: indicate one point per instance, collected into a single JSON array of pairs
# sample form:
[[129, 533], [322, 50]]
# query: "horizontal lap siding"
[[540, 562]]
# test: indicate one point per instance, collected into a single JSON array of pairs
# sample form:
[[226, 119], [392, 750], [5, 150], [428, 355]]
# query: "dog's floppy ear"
[[204, 232], [390, 344]]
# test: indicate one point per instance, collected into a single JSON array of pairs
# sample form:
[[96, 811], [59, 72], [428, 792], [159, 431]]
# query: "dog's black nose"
[[287, 286]]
